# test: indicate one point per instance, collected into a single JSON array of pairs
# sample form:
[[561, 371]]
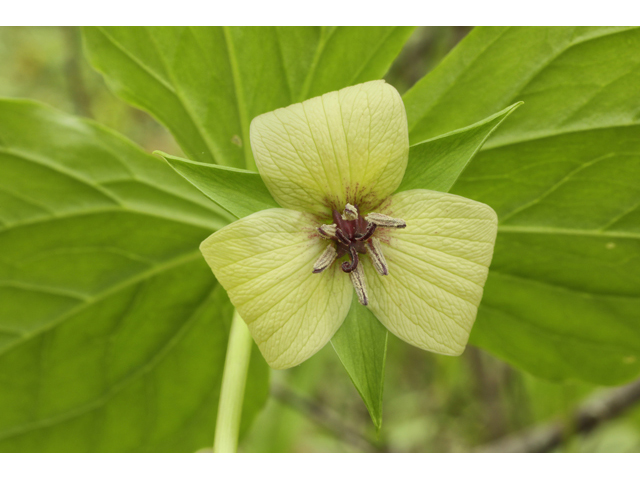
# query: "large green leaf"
[[437, 163], [240, 192], [361, 345], [563, 296], [207, 83], [113, 330]]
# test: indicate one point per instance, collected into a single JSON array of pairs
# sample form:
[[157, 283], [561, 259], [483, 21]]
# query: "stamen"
[[358, 280], [325, 260], [350, 212], [383, 220], [348, 267], [327, 231], [377, 258], [342, 237], [371, 227]]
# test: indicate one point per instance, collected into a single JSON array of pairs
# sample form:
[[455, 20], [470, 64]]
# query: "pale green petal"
[[265, 262], [437, 268], [349, 146]]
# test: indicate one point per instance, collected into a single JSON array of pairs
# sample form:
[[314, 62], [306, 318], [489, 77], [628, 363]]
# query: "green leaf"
[[113, 330], [563, 294], [361, 345], [240, 192], [436, 164], [205, 84], [494, 67]]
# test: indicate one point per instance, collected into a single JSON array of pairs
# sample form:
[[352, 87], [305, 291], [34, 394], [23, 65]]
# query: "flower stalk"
[[234, 379]]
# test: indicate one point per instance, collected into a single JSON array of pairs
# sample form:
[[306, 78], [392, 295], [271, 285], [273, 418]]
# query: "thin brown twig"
[[593, 413], [324, 417], [487, 387]]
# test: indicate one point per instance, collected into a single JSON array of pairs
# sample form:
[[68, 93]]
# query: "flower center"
[[350, 238], [352, 234]]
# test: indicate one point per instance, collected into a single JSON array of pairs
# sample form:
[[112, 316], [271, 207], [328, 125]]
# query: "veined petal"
[[265, 262], [437, 268], [349, 146]]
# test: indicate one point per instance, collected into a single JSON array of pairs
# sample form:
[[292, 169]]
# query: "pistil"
[[349, 267]]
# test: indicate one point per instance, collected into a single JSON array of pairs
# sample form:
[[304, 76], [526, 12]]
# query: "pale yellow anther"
[[377, 258], [360, 284], [325, 260], [350, 212], [382, 220], [327, 231]]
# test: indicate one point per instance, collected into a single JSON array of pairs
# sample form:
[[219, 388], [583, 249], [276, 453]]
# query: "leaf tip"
[[160, 154]]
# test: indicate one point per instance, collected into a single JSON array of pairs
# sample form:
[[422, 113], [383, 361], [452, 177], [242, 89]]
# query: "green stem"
[[234, 378]]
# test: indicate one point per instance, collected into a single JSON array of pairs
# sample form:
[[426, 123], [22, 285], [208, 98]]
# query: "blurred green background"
[[432, 403]]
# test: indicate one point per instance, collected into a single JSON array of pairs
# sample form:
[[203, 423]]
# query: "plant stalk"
[[234, 379]]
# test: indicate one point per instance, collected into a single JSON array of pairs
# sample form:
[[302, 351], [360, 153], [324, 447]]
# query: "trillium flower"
[[418, 259]]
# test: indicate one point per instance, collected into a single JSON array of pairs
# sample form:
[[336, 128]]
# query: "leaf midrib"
[[61, 170], [560, 336], [136, 60], [566, 231], [547, 135], [240, 101], [565, 288], [95, 211], [99, 186]]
